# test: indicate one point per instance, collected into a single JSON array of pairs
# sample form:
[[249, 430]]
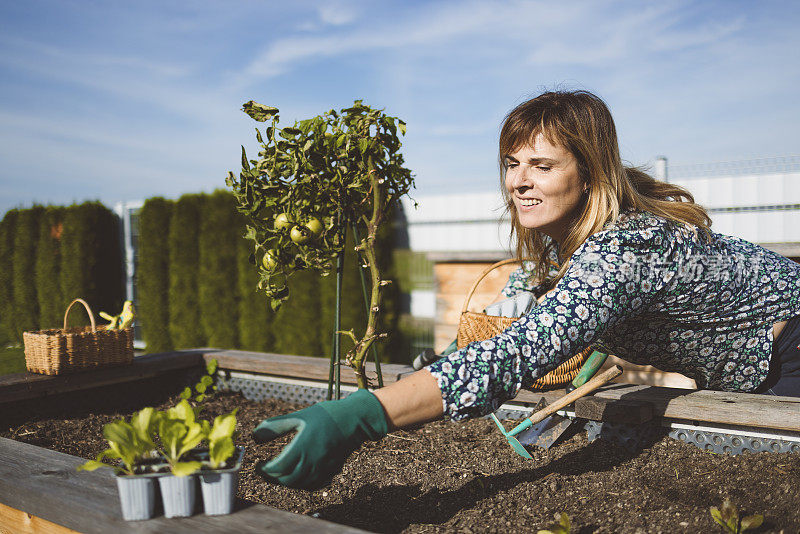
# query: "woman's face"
[[544, 183]]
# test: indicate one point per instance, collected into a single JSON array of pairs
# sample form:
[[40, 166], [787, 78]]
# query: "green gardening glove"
[[326, 435]]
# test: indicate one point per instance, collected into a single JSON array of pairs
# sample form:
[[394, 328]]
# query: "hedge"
[[255, 313], [26, 302], [194, 283], [220, 229], [184, 259], [8, 330], [152, 274], [52, 303], [91, 260]]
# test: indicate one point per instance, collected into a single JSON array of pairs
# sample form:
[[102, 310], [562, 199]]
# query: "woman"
[[640, 275]]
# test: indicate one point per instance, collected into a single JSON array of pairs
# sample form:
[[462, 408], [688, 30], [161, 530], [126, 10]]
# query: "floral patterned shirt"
[[649, 290]]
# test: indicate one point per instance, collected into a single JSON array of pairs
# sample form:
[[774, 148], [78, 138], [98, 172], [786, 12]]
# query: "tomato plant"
[[321, 175]]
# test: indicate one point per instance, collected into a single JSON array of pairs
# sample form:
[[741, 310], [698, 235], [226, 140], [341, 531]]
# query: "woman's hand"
[[328, 432]]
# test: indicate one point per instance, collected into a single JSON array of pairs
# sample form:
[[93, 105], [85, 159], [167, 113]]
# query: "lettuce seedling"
[[179, 432], [220, 439], [202, 386], [130, 443], [728, 518]]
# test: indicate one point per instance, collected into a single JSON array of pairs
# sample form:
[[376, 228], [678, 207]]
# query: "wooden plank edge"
[[299, 367], [95, 509], [13, 521], [24, 386]]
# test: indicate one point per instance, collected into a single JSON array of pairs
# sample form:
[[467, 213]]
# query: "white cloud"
[[336, 14]]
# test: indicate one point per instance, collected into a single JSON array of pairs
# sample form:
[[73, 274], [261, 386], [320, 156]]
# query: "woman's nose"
[[521, 179]]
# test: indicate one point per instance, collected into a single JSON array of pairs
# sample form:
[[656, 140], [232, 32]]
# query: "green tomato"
[[277, 281], [300, 235], [270, 260], [314, 226], [282, 222]]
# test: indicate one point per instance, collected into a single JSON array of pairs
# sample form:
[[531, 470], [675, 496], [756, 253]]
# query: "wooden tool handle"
[[585, 389]]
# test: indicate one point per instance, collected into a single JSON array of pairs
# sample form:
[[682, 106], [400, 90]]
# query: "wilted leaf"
[[245, 163], [258, 111], [751, 521]]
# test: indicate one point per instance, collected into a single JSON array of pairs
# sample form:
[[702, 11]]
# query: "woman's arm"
[[413, 400]]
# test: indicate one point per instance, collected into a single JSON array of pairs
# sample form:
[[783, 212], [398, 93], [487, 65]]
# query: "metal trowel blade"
[[546, 432]]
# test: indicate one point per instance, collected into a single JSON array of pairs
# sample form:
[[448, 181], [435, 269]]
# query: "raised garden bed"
[[444, 476]]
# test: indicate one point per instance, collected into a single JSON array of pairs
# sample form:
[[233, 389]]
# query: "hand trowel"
[[545, 433], [532, 422]]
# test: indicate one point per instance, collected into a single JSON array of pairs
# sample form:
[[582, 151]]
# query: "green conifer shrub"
[[153, 274], [185, 328], [298, 324], [255, 313], [8, 330], [52, 303], [25, 300], [91, 260], [220, 229]]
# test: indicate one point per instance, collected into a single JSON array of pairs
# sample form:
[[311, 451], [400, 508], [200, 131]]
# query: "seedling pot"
[[219, 486], [178, 495], [137, 496]]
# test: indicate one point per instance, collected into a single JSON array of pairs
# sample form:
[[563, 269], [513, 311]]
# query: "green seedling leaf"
[[206, 381], [200, 388], [211, 366], [220, 451], [186, 394], [194, 435], [182, 469], [91, 465], [183, 411], [143, 423], [220, 439], [224, 426]]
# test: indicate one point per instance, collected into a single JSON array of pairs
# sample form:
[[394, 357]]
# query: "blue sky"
[[116, 100]]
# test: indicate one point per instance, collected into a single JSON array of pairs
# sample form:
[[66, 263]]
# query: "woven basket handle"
[[88, 312], [482, 276]]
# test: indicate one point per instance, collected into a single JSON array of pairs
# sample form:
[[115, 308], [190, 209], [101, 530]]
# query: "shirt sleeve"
[[613, 275]]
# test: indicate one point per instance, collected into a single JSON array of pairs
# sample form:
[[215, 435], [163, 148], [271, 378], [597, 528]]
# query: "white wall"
[[470, 221]]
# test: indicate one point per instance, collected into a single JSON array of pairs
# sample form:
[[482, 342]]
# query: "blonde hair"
[[580, 122]]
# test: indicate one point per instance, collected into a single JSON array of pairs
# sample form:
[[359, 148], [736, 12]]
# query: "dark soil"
[[463, 477]]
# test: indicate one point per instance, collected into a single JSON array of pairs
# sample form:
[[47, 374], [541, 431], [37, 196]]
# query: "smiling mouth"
[[527, 202]]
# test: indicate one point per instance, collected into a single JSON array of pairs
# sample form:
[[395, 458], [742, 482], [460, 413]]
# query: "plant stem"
[[358, 353], [357, 238]]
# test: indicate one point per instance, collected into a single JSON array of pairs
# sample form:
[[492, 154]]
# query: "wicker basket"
[[68, 350], [475, 326]]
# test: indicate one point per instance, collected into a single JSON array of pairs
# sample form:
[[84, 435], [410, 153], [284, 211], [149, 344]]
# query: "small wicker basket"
[[475, 326], [68, 350]]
